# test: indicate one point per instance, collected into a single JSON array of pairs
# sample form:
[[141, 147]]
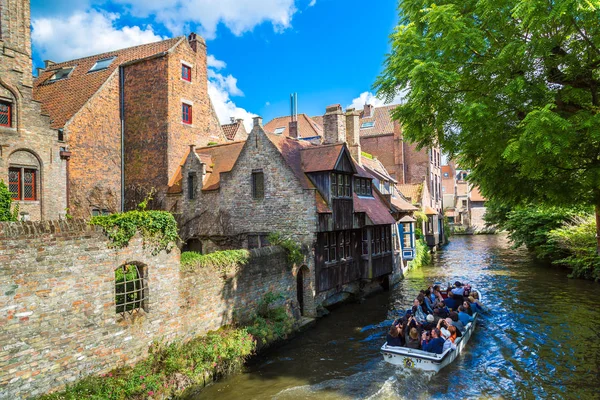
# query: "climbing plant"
[[292, 248], [225, 262], [5, 204]]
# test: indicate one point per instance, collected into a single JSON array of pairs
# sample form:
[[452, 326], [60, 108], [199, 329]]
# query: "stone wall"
[[477, 215], [58, 321]]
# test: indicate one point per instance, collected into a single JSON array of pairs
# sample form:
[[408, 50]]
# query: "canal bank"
[[541, 341]]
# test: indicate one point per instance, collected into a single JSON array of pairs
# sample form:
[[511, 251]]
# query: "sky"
[[259, 51]]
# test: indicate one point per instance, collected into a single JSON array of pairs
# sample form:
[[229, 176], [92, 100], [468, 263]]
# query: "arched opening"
[[24, 183], [192, 244], [131, 288], [302, 287]]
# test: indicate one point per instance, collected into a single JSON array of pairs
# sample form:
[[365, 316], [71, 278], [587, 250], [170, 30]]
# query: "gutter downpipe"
[[122, 112]]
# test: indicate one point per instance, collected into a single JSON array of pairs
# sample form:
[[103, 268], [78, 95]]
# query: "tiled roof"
[[402, 204], [382, 119], [430, 211], [231, 130], [321, 158], [291, 150], [375, 208], [222, 158], [306, 126], [63, 98], [447, 169], [476, 194], [411, 191], [318, 119], [377, 167]]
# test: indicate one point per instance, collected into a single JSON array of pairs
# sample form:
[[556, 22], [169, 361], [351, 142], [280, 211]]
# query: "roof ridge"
[[58, 64], [220, 145]]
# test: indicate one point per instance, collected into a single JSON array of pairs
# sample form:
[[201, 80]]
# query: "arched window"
[[131, 289], [23, 176]]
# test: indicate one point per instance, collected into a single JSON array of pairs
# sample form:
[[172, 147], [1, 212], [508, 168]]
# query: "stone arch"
[[303, 287], [17, 99], [21, 163], [131, 291]]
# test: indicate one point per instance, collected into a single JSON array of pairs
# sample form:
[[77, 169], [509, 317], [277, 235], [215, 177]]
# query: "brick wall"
[[384, 147], [57, 312], [94, 138], [30, 130]]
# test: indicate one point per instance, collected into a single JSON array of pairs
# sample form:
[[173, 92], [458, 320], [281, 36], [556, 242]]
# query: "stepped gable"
[[63, 98]]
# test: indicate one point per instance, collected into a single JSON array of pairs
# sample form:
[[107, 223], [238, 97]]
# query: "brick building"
[[31, 160], [235, 130], [233, 195], [127, 118]]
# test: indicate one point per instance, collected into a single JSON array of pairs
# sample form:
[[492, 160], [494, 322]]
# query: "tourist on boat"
[[448, 344], [463, 316], [432, 342], [421, 299], [412, 339], [467, 307], [428, 303], [437, 294], [442, 310], [418, 313], [457, 322], [476, 305], [451, 302], [430, 324], [458, 289], [454, 333], [395, 336]]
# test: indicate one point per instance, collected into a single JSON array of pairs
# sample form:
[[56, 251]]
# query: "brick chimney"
[[232, 119], [334, 125], [257, 121], [353, 134], [194, 40], [368, 111], [293, 133]]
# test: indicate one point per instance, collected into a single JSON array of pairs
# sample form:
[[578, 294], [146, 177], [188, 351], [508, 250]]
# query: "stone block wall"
[[58, 321]]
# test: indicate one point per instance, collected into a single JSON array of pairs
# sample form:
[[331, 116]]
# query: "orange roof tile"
[[411, 191], [291, 150], [430, 211], [402, 205], [231, 130], [476, 194], [222, 158], [306, 126], [382, 120], [63, 98]]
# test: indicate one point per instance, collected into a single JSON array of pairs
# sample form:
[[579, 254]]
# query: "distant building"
[[126, 118], [33, 157], [305, 128], [463, 203], [235, 130]]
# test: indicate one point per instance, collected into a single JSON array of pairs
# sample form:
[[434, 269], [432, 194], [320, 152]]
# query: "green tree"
[[5, 204], [509, 88]]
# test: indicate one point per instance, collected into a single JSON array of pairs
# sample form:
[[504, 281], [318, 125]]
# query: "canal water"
[[541, 340]]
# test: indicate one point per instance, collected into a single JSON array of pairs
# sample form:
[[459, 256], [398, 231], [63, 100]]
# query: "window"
[[333, 185], [62, 73], [376, 241], [365, 242], [332, 247], [366, 125], [186, 72], [22, 183], [279, 131], [102, 64], [446, 175], [186, 115], [100, 211], [326, 247], [130, 289], [258, 184], [256, 241], [464, 203], [341, 185], [406, 230], [191, 185], [348, 235], [5, 114], [342, 245]]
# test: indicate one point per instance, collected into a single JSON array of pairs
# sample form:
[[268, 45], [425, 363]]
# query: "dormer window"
[[102, 64], [362, 187], [340, 185], [62, 73], [366, 125], [279, 131]]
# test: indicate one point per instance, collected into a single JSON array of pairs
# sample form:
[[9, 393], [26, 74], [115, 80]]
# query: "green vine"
[[293, 249], [5, 204], [157, 228], [225, 262]]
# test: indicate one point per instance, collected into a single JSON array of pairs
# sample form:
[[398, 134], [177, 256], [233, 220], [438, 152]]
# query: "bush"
[[293, 249], [5, 204], [226, 261], [422, 256], [166, 368], [577, 238], [270, 323]]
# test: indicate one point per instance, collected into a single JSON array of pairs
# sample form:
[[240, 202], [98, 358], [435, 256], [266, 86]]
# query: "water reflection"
[[540, 341]]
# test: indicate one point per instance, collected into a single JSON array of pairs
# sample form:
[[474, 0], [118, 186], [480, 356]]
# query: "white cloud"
[[238, 15], [220, 89], [312, 3], [369, 98], [86, 33]]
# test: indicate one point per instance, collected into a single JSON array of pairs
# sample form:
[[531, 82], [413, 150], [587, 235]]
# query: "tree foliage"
[[508, 87]]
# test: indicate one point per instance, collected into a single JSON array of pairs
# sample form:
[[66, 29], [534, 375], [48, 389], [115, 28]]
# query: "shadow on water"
[[541, 340]]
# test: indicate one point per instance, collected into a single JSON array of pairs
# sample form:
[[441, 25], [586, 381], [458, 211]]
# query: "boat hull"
[[425, 361]]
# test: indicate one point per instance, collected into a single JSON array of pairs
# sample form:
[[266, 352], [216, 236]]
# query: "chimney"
[[194, 40], [334, 125], [232, 119], [239, 120], [353, 134], [257, 121], [368, 111], [293, 129], [48, 63], [40, 71]]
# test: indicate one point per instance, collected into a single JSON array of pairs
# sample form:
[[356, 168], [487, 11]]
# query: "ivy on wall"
[[225, 262]]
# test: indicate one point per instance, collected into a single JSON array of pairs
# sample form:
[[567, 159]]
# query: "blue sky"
[[328, 51]]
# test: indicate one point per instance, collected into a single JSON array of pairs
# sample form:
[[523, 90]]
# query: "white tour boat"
[[426, 361]]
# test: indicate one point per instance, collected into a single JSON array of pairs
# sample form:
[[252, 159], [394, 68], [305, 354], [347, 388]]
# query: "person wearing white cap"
[[445, 333]]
